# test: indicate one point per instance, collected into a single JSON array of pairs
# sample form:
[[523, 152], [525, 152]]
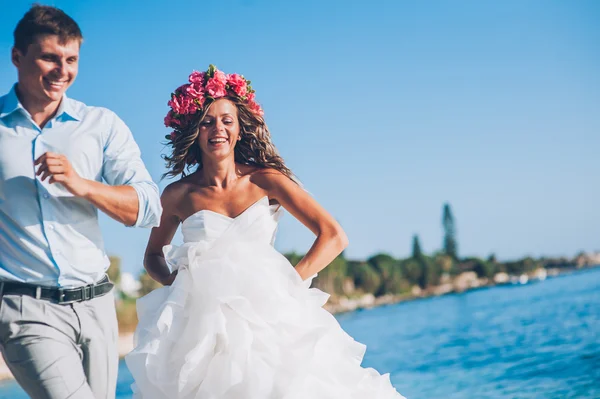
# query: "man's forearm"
[[123, 203], [119, 202]]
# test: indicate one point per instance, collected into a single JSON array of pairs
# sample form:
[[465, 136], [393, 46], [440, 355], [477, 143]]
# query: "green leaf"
[[211, 70]]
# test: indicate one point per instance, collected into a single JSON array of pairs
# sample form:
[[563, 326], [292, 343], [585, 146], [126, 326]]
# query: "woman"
[[235, 319]]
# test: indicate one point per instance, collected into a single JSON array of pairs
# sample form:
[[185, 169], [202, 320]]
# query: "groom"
[[58, 327]]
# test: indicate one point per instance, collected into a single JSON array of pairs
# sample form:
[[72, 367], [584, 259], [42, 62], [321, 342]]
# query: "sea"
[[534, 340]]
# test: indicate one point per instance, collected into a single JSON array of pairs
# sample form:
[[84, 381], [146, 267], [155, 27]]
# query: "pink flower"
[[190, 104], [183, 104], [253, 105], [173, 136], [181, 89], [238, 84], [194, 90], [176, 103], [197, 77], [170, 120], [215, 87], [220, 76]]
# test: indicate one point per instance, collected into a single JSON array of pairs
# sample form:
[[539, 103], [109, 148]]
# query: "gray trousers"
[[61, 351]]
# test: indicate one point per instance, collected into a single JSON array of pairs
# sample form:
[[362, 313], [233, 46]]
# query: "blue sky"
[[385, 110]]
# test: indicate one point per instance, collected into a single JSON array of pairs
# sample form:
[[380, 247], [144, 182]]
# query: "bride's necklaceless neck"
[[220, 175]]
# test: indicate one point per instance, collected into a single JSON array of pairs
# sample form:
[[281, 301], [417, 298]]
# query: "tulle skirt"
[[242, 324]]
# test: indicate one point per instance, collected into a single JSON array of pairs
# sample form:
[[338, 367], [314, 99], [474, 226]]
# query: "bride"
[[235, 319]]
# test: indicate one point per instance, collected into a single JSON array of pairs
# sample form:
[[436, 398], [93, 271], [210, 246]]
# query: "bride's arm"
[[154, 258], [331, 239]]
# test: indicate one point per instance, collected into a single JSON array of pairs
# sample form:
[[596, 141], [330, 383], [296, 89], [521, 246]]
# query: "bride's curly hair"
[[254, 148]]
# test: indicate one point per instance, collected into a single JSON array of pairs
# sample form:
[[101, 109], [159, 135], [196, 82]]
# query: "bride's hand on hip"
[[170, 278]]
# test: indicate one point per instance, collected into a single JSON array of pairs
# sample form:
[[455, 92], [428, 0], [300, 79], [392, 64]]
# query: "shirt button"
[[51, 227], [46, 195]]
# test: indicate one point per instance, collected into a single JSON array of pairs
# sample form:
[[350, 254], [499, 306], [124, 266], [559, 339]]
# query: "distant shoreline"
[[368, 301]]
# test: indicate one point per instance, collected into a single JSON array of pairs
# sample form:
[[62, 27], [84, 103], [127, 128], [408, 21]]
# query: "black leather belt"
[[62, 296]]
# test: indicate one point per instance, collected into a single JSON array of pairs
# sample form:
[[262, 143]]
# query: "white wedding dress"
[[239, 323]]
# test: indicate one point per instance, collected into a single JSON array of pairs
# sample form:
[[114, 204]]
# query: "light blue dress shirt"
[[47, 235]]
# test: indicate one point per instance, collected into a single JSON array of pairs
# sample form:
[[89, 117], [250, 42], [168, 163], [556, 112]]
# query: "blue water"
[[540, 340]]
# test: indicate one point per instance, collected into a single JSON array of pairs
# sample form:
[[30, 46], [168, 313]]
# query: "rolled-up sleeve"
[[123, 165]]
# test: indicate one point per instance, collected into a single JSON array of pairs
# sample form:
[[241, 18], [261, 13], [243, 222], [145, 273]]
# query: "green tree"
[[412, 271], [434, 271], [331, 279], [521, 266], [393, 281], [445, 262], [366, 278], [483, 268], [419, 258], [416, 248], [450, 245], [114, 270]]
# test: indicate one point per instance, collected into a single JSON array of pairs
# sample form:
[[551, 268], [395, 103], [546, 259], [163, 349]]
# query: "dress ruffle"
[[240, 323]]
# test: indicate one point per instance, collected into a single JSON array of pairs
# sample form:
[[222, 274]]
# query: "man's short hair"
[[45, 20]]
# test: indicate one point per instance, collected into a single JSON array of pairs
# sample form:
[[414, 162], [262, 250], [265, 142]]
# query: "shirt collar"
[[66, 108], [12, 104]]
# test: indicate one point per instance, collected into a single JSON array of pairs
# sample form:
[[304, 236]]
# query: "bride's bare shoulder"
[[266, 175], [176, 192], [275, 184], [177, 187]]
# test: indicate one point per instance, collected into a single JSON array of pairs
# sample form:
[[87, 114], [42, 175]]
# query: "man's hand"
[[58, 168]]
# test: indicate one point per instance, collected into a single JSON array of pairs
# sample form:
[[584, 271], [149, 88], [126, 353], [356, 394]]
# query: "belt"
[[62, 296]]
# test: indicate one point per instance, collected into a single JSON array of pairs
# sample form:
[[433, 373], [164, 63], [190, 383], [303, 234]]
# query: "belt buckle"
[[84, 293]]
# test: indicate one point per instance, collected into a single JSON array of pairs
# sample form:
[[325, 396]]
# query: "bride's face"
[[219, 130]]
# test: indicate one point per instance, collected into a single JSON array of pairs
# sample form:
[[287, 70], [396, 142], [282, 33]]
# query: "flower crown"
[[191, 97]]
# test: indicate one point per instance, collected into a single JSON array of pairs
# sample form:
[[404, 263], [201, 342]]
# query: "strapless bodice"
[[205, 226]]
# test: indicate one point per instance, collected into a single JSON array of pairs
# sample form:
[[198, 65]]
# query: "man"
[[58, 327]]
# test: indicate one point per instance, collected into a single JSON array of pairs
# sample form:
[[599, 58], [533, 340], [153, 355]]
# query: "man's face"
[[47, 69]]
